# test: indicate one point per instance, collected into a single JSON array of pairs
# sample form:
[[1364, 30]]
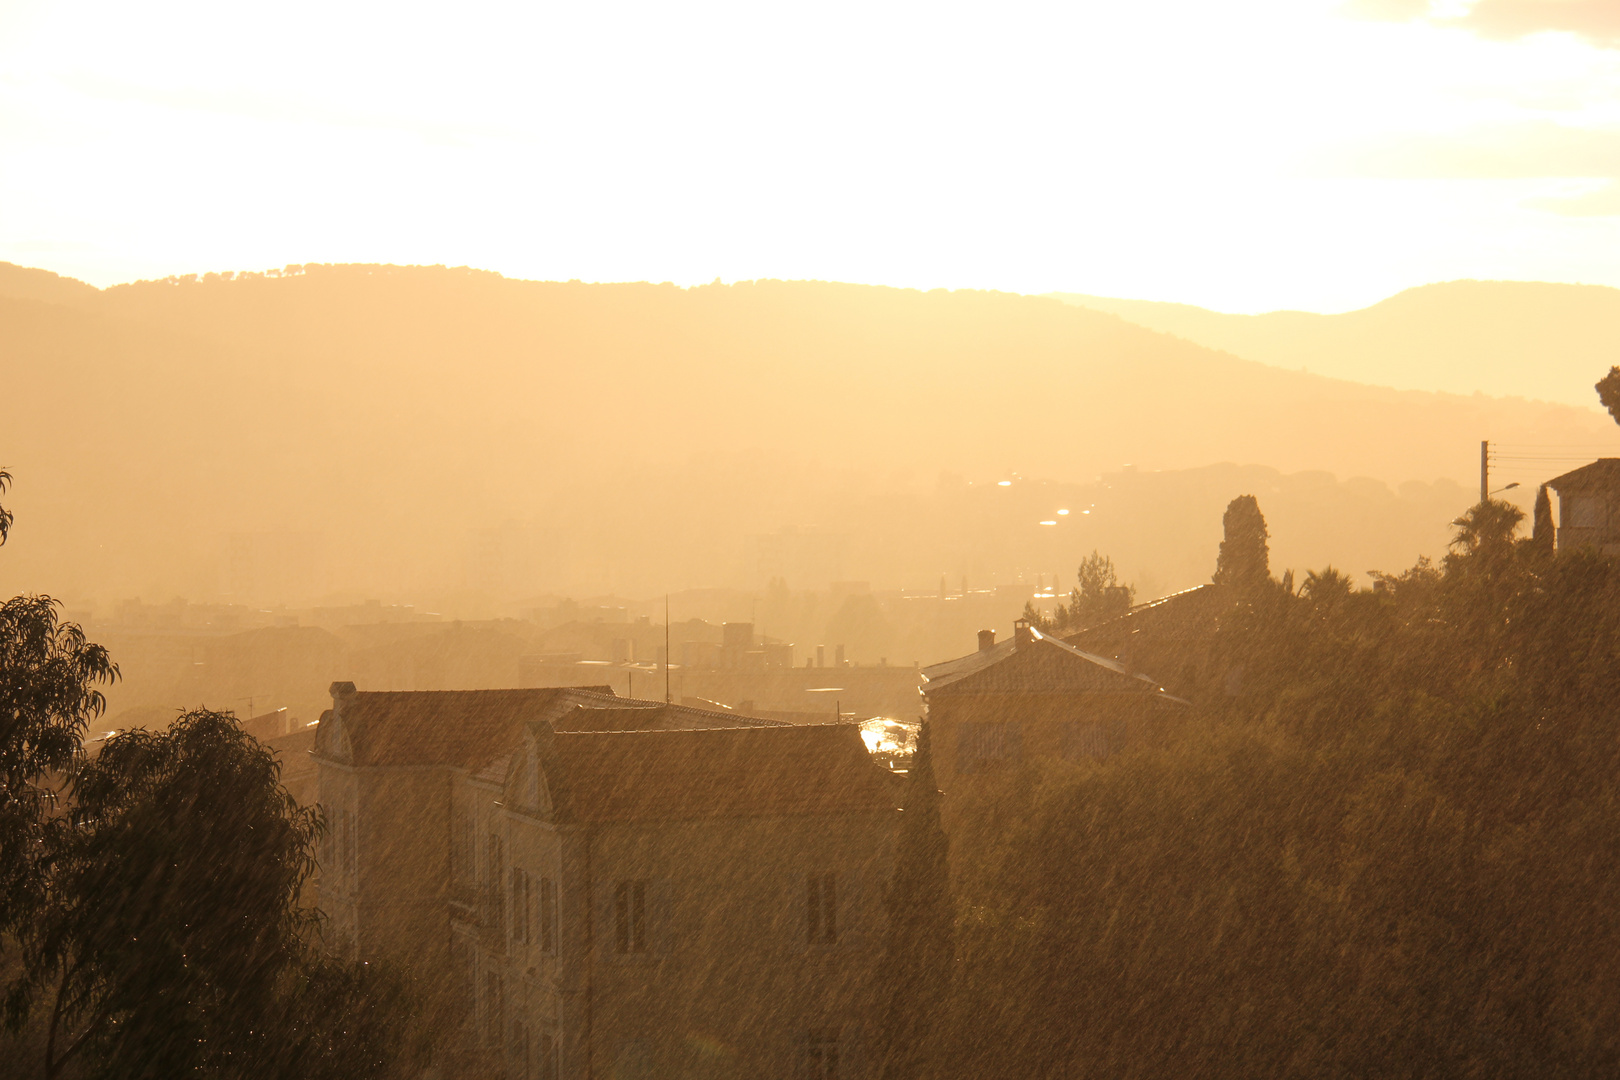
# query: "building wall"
[[337, 876], [729, 983], [720, 980], [1072, 726]]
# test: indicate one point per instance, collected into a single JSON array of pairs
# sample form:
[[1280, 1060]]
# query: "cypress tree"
[[921, 940], [1244, 561], [1543, 531]]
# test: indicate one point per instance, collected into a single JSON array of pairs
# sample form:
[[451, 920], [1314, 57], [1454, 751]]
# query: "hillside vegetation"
[[392, 420]]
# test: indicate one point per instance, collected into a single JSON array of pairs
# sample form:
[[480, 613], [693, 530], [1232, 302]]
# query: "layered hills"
[[1525, 339], [380, 430]]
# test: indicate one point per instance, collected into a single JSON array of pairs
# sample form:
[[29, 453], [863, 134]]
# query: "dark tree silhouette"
[[49, 676], [1608, 391], [1485, 531], [172, 917], [5, 515], [1096, 596], [922, 913], [1244, 561], [1543, 530]]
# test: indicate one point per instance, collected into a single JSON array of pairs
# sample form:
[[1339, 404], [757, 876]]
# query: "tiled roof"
[[736, 772], [653, 716], [460, 728], [1188, 613], [1602, 473], [1044, 664], [471, 729]]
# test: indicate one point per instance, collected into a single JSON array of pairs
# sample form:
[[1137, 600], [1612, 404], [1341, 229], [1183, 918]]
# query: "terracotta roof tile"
[[736, 772], [471, 729], [1043, 664], [460, 728], [1602, 473]]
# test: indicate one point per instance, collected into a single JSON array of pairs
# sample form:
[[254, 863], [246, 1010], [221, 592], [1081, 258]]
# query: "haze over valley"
[[466, 442]]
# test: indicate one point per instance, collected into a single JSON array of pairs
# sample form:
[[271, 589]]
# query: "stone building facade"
[[1035, 696], [601, 887]]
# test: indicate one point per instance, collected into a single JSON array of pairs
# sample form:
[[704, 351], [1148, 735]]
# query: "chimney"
[[987, 640], [1021, 633], [341, 692]]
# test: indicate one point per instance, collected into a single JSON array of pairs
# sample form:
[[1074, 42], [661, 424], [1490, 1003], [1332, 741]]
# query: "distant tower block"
[[840, 660], [821, 656]]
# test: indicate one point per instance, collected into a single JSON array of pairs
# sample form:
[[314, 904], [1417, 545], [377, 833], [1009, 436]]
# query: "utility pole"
[[1485, 471], [666, 648]]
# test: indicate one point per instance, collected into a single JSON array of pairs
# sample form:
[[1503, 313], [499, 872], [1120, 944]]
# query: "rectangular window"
[[548, 915], [351, 846], [548, 1056], [461, 849], [1083, 739], [985, 747], [821, 896], [1586, 512], [494, 874], [493, 1007], [821, 1054], [522, 1051], [520, 905], [630, 916]]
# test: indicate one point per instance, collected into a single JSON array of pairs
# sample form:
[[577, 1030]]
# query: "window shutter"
[[548, 916], [662, 933]]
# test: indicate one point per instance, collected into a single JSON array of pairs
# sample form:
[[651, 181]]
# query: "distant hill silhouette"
[[390, 430], [27, 283], [1525, 339]]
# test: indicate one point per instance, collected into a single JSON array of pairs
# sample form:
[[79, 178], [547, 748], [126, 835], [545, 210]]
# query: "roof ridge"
[[729, 729]]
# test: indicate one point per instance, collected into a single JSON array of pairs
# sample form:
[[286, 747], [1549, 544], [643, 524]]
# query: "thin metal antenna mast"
[[666, 648]]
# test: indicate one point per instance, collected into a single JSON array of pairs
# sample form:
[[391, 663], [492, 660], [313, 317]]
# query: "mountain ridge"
[[1533, 340], [646, 436]]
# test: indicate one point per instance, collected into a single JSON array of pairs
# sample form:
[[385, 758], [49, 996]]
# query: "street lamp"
[[1510, 487]]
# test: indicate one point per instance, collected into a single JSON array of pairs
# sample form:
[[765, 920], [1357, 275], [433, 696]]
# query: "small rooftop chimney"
[[1021, 634], [987, 640]]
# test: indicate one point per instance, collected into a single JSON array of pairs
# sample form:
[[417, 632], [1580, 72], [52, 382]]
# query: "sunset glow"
[[1248, 156]]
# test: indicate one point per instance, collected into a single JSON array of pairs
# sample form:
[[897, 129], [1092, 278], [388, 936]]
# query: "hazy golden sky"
[[1245, 155]]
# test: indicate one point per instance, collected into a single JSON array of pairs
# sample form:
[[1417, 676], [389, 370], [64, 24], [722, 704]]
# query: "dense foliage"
[[1388, 845], [150, 908], [49, 691], [170, 940], [1098, 595], [1608, 390]]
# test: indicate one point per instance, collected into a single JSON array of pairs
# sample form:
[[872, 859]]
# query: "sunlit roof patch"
[[1003, 483], [1049, 523], [1063, 513]]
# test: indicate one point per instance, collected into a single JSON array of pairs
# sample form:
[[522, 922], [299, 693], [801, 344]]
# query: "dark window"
[[821, 1054], [630, 916], [1586, 512], [548, 915], [493, 1007], [494, 874], [463, 850], [1084, 739], [985, 747], [520, 905], [821, 896], [548, 1057]]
